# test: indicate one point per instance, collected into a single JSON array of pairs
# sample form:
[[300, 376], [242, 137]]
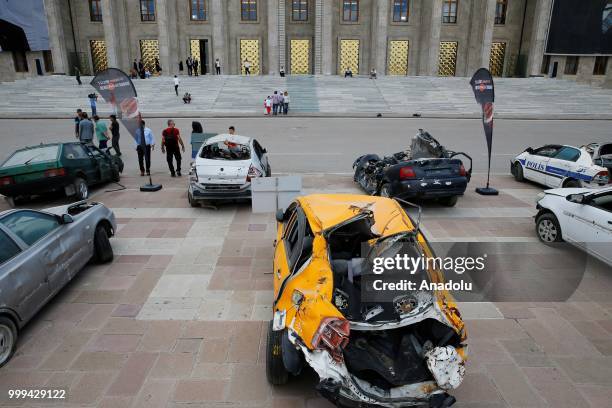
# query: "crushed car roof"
[[238, 139], [325, 211]]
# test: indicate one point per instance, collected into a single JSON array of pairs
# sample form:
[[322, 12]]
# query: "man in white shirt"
[[176, 84], [144, 147], [247, 67]]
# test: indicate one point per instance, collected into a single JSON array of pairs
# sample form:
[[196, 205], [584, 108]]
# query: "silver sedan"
[[40, 252]]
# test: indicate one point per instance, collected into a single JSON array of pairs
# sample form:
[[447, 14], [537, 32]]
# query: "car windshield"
[[32, 156], [226, 150]]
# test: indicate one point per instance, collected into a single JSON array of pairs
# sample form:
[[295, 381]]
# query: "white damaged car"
[[565, 166], [224, 167]]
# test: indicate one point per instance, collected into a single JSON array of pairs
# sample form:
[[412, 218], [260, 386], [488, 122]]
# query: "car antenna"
[[418, 224]]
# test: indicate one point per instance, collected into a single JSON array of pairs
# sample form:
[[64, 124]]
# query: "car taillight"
[[462, 171], [407, 173], [332, 335], [193, 174], [6, 181], [253, 172], [603, 177], [55, 172]]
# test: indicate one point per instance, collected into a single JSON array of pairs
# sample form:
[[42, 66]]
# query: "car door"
[[536, 162], [102, 162], [43, 234], [78, 159], [262, 155], [599, 208], [561, 166], [24, 283]]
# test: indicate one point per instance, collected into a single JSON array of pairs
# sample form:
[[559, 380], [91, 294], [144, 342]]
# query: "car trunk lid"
[[222, 172]]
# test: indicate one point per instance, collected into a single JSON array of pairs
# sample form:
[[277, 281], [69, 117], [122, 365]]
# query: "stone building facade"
[[395, 37]]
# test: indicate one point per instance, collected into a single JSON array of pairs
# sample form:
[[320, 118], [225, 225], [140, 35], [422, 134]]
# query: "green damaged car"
[[46, 168]]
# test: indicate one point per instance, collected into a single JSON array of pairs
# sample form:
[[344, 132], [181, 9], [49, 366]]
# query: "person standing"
[[267, 105], [144, 146], [176, 84], [282, 71], [158, 67], [114, 128], [171, 138], [93, 103], [86, 129], [77, 74], [77, 119], [218, 66], [247, 67], [275, 103], [281, 102], [101, 132], [135, 65], [189, 63], [286, 101], [195, 66]]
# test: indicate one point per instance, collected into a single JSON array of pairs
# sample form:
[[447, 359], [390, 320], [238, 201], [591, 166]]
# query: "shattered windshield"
[[226, 150], [32, 156]]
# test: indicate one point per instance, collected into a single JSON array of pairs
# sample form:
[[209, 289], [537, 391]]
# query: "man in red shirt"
[[171, 138]]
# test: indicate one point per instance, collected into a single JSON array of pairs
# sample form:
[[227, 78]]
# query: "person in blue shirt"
[[144, 147]]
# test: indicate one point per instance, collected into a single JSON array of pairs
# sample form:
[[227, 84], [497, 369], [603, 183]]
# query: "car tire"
[[517, 172], [8, 339], [449, 201], [548, 228], [193, 203], [116, 174], [276, 372], [103, 251], [81, 191], [385, 191], [572, 184], [269, 171]]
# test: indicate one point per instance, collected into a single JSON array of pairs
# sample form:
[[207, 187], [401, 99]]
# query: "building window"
[[449, 11], [299, 10], [147, 10], [248, 10], [95, 10], [571, 65], [198, 10], [601, 63], [20, 61], [500, 11], [400, 11], [350, 10]]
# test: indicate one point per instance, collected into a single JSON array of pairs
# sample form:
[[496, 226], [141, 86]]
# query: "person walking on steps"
[[77, 74], [171, 138], [176, 84]]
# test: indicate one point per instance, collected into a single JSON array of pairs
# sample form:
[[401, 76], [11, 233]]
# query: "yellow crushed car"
[[405, 349]]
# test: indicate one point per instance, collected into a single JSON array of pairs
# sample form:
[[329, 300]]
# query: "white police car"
[[565, 166]]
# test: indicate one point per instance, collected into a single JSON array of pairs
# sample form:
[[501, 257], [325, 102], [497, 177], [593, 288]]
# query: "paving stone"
[[248, 383], [155, 394], [99, 361], [513, 386], [200, 390], [173, 365], [160, 336], [132, 375], [595, 370], [89, 388], [555, 387], [117, 343]]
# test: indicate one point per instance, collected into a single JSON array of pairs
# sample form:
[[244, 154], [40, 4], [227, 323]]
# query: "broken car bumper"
[[433, 188], [219, 191]]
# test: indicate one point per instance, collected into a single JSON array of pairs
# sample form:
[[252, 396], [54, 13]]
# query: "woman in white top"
[[286, 102]]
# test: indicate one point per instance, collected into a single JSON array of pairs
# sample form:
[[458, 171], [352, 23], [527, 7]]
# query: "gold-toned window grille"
[[194, 49], [99, 59], [447, 63], [300, 57], [349, 56], [249, 51], [498, 57], [398, 57], [149, 51]]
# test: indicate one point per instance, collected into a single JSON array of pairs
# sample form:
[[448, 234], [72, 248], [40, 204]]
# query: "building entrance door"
[[249, 51], [199, 50], [99, 59], [300, 57], [349, 56], [398, 57], [554, 69]]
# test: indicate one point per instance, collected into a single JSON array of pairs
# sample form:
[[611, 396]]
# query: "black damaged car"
[[426, 170]]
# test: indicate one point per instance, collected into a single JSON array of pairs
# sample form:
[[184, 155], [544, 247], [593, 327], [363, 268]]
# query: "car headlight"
[[540, 196]]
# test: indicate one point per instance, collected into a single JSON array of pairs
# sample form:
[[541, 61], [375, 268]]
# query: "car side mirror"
[[67, 219], [280, 215], [529, 150], [576, 198]]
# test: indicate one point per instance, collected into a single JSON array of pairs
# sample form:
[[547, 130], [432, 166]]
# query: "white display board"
[[272, 193]]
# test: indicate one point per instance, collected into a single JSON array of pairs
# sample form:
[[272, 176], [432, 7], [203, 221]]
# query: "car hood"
[[564, 192], [63, 209]]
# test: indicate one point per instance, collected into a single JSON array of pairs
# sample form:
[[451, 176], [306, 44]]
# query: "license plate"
[[436, 172]]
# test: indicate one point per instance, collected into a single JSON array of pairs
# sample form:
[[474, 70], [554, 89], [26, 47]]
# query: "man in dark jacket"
[[114, 128]]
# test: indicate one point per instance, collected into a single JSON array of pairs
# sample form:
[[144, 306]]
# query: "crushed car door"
[[561, 166], [262, 155], [102, 162], [281, 258], [536, 162], [596, 216]]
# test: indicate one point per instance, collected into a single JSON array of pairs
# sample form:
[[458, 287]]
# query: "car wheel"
[[385, 190], [103, 251], [572, 184], [116, 176], [192, 202], [275, 368], [548, 229], [517, 171], [8, 339], [269, 171], [81, 192], [449, 201]]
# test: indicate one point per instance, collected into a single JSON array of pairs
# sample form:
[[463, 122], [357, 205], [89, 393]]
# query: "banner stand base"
[[487, 191], [151, 187]]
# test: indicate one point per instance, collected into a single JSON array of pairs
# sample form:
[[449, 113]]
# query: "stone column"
[[273, 56], [379, 36], [168, 44], [57, 39], [429, 37], [218, 40], [537, 44], [282, 34], [608, 81], [481, 35], [110, 33], [323, 38]]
